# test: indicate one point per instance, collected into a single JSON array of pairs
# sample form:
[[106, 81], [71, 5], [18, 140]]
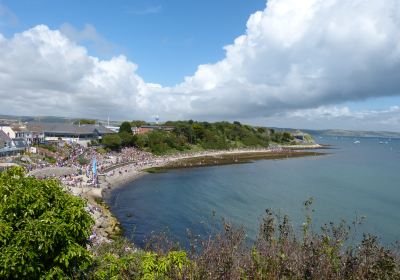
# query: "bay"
[[353, 180]]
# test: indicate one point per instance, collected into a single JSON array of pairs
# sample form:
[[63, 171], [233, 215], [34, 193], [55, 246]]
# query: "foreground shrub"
[[278, 253], [120, 261], [43, 230]]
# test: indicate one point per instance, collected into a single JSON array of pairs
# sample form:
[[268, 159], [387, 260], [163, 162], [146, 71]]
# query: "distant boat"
[[357, 142]]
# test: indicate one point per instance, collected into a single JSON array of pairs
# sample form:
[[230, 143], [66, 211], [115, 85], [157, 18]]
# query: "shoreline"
[[130, 172], [126, 173]]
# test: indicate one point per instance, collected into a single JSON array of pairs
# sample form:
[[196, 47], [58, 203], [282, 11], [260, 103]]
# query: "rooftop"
[[68, 128]]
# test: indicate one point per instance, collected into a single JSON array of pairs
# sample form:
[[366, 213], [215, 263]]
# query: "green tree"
[[84, 121], [112, 141], [43, 230], [127, 139], [125, 126]]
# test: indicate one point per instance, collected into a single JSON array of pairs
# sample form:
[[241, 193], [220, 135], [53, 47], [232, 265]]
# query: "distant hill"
[[49, 119], [46, 119], [353, 133]]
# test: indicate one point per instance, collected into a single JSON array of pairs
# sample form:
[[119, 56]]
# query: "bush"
[[278, 253], [82, 160], [112, 141], [51, 148], [43, 230], [50, 160], [120, 261]]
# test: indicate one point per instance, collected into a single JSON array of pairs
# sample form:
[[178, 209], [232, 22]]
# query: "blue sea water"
[[353, 180]]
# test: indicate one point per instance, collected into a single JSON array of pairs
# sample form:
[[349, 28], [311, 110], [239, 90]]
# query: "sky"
[[306, 64]]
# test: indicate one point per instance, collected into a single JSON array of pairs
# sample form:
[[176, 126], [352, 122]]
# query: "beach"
[[124, 174], [117, 169]]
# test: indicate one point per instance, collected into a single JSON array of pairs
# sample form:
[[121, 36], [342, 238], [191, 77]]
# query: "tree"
[[112, 141], [287, 137], [43, 229], [127, 139], [125, 126]]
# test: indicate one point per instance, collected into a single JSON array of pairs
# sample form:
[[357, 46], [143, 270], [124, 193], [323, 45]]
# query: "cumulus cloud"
[[302, 54], [294, 56], [43, 72]]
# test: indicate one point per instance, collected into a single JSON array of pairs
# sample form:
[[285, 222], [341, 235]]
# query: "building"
[[21, 132], [8, 130], [5, 140], [113, 128], [81, 134], [11, 147], [37, 133]]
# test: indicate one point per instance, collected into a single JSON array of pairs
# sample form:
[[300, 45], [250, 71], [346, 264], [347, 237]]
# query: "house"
[[37, 133], [5, 140], [21, 132], [82, 134], [11, 147], [8, 130]]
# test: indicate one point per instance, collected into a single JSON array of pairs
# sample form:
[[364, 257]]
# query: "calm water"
[[355, 180]]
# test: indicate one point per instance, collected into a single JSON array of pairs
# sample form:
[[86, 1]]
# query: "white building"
[[8, 130]]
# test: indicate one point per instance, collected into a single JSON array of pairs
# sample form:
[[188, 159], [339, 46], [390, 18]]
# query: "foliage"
[[187, 135], [84, 121], [43, 230], [51, 148], [127, 139], [125, 127], [112, 141], [213, 136], [82, 160], [278, 253], [50, 159], [121, 261], [161, 142], [101, 150]]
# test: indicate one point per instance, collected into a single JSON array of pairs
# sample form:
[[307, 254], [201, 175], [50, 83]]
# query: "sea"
[[358, 178]]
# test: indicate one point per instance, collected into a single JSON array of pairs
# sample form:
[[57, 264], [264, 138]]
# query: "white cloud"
[[43, 72], [302, 54], [295, 55]]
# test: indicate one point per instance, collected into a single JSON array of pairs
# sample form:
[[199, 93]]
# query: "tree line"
[[188, 135]]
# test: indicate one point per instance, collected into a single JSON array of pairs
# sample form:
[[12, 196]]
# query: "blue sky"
[[305, 64], [168, 39]]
